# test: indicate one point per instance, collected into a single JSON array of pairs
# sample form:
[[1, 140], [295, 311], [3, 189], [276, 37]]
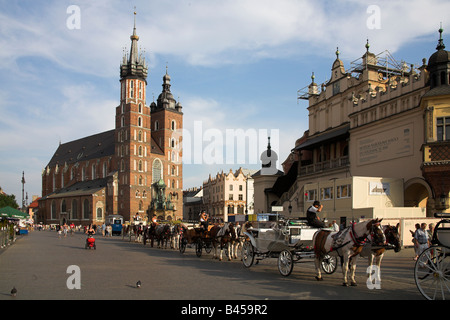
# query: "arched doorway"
[[418, 194]]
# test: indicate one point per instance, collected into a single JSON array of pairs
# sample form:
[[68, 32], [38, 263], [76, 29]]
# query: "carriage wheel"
[[198, 248], [328, 264], [285, 263], [432, 273], [248, 254], [182, 244]]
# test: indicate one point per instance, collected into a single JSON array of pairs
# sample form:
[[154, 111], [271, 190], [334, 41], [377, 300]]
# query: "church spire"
[[135, 65], [441, 45]]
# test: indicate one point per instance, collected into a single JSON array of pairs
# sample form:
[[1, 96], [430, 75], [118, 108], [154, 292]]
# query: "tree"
[[8, 200]]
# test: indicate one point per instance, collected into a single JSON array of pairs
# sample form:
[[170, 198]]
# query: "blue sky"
[[234, 64]]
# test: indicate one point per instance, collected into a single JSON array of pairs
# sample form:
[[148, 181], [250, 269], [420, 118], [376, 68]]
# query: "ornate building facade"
[[378, 141], [229, 194], [133, 170]]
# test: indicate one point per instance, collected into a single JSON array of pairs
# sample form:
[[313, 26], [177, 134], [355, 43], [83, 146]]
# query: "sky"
[[235, 66]]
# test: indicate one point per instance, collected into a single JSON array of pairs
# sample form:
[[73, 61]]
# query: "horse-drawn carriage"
[[196, 236], [432, 269], [225, 236], [289, 241]]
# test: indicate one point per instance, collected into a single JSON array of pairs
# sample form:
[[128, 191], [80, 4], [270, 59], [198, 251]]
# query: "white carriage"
[[432, 269], [289, 241]]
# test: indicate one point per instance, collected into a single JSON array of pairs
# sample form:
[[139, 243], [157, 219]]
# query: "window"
[[240, 187], [86, 209], [230, 196], [336, 88], [241, 197], [53, 210], [344, 191], [156, 170], [99, 214], [326, 193], [174, 125], [74, 211], [311, 195], [443, 128], [231, 187], [156, 125], [131, 89]]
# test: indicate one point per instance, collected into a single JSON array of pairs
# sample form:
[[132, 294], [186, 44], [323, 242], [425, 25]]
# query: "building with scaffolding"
[[378, 142]]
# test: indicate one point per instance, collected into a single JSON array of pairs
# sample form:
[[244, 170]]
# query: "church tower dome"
[[439, 65]]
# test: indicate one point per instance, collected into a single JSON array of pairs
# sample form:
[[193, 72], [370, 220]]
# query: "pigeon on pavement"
[[14, 292]]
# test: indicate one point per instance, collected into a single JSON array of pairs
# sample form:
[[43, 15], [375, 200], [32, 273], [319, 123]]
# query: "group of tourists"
[[422, 237]]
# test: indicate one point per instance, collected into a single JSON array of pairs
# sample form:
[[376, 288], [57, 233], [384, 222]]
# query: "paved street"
[[37, 266]]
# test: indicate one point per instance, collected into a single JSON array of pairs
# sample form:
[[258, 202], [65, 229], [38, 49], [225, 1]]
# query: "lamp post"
[[23, 190]]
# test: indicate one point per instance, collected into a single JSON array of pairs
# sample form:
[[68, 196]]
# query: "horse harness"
[[338, 240]]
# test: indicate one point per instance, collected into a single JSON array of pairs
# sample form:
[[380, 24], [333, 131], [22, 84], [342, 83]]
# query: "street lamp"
[[443, 201]]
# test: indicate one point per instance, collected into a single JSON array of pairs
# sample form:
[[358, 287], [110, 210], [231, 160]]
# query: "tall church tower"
[[133, 133], [148, 144]]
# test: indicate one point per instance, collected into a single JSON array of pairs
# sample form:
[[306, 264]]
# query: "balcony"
[[324, 166]]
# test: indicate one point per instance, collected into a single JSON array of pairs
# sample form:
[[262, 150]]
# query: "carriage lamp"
[[443, 200]]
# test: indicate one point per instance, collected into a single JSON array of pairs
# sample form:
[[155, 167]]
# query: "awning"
[[10, 212], [329, 135]]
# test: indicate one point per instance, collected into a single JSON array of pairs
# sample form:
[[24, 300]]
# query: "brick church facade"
[[133, 170]]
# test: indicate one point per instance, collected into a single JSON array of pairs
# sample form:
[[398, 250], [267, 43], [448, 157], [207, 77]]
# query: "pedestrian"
[[65, 229], [103, 229], [421, 237], [414, 241], [430, 233], [334, 226]]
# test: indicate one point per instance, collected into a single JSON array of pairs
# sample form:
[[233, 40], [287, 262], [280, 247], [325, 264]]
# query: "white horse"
[[175, 233], [346, 243], [238, 242]]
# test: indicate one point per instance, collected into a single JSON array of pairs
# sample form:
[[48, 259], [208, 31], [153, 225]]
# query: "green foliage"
[[8, 200]]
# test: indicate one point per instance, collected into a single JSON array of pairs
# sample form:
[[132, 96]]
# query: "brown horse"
[[346, 243], [223, 236], [376, 252]]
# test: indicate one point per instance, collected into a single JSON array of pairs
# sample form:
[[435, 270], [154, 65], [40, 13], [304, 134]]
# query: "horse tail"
[[319, 240]]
